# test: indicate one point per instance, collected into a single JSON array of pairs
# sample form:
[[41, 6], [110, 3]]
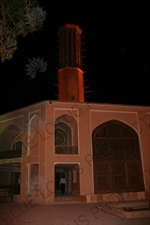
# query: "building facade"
[[102, 149]]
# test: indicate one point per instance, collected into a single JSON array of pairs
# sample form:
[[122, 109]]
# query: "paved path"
[[61, 214]]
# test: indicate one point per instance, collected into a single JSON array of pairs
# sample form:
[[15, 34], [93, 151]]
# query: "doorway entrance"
[[16, 178], [116, 158], [10, 177], [71, 174]]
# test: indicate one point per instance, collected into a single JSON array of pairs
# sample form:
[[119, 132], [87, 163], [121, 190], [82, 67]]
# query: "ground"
[[61, 214]]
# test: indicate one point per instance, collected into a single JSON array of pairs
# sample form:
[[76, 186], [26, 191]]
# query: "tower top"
[[70, 54], [70, 26], [70, 74]]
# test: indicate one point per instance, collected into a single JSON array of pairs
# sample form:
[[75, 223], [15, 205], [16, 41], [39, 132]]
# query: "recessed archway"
[[66, 135], [116, 158]]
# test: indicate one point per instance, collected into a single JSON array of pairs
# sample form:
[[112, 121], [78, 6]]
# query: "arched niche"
[[66, 135]]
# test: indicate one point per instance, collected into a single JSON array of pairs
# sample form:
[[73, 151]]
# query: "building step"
[[129, 211], [66, 198]]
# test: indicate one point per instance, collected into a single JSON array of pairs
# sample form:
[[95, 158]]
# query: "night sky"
[[116, 64]]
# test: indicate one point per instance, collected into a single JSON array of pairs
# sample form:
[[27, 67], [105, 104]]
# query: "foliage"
[[17, 18]]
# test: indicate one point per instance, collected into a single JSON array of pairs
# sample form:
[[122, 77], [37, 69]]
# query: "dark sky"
[[116, 54]]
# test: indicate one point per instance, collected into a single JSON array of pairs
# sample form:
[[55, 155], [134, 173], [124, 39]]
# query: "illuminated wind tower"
[[70, 74]]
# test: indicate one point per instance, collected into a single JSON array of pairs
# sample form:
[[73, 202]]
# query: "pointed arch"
[[66, 135], [116, 158], [62, 134], [11, 136], [33, 127]]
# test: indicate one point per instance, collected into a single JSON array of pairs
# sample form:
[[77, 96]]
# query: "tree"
[[17, 18]]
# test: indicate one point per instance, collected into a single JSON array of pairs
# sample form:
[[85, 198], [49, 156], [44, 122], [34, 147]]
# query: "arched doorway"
[[116, 159]]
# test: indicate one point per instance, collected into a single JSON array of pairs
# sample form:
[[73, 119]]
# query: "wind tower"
[[70, 74]]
